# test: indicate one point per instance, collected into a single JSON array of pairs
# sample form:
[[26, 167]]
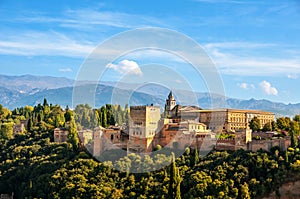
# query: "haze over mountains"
[[16, 91]]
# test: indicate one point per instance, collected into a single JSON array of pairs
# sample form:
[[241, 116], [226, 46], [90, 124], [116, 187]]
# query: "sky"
[[254, 45]]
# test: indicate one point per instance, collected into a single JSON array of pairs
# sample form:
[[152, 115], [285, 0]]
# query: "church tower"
[[170, 104]]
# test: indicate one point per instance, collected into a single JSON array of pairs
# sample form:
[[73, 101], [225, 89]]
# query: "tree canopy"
[[33, 166]]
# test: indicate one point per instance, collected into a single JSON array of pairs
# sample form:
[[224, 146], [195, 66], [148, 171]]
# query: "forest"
[[33, 166]]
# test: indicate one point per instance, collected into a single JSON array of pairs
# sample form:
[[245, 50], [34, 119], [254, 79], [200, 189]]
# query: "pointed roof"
[[170, 96]]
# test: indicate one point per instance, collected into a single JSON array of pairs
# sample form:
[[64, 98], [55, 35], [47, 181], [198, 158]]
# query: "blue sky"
[[255, 45]]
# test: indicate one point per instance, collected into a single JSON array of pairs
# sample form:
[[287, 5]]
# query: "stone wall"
[[263, 135], [225, 144], [266, 145]]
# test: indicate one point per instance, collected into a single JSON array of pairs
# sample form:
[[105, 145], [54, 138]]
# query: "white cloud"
[[154, 55], [243, 85], [292, 76], [126, 66], [90, 19], [49, 43], [268, 88], [246, 86], [238, 58], [65, 70], [232, 45]]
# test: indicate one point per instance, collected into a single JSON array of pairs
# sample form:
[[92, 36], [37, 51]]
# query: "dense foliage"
[[107, 115], [33, 166]]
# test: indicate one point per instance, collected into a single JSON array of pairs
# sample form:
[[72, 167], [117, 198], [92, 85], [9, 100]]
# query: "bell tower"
[[170, 104]]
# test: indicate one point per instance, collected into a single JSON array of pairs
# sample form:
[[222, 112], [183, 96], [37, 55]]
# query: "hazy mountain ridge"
[[16, 91], [29, 84], [63, 97]]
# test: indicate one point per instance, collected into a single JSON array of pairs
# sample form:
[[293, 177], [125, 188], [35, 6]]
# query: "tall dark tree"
[[254, 124], [68, 114], [104, 117], [126, 117], [274, 126], [267, 127], [73, 135], [29, 124], [110, 115], [39, 117], [294, 133], [195, 157], [175, 181], [45, 103]]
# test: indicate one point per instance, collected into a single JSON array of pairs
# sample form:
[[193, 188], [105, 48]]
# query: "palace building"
[[178, 126], [231, 120]]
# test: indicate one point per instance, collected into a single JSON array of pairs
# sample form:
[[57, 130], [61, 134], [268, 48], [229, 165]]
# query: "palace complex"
[[181, 127]]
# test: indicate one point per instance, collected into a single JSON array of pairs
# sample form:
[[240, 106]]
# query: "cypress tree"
[[45, 103], [175, 180], [126, 115], [195, 157], [39, 118], [104, 118], [73, 135], [29, 124]]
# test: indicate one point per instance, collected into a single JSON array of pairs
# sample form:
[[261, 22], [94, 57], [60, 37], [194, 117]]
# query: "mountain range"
[[17, 91]]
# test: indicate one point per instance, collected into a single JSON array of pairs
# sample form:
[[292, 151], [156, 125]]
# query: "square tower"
[[142, 127], [170, 104]]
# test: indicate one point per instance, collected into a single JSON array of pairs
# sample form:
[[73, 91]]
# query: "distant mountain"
[[63, 97], [16, 91], [8, 96], [280, 109], [29, 84]]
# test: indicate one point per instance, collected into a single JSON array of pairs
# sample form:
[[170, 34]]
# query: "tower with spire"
[[170, 104]]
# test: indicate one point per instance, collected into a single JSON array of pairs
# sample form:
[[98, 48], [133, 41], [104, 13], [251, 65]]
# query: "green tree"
[[195, 157], [45, 103], [274, 126], [267, 127], [93, 119], [28, 108], [68, 114], [254, 124], [294, 133], [283, 123], [73, 135], [110, 115], [6, 130], [297, 118], [29, 124], [4, 113], [104, 117], [126, 117], [175, 181], [245, 191]]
